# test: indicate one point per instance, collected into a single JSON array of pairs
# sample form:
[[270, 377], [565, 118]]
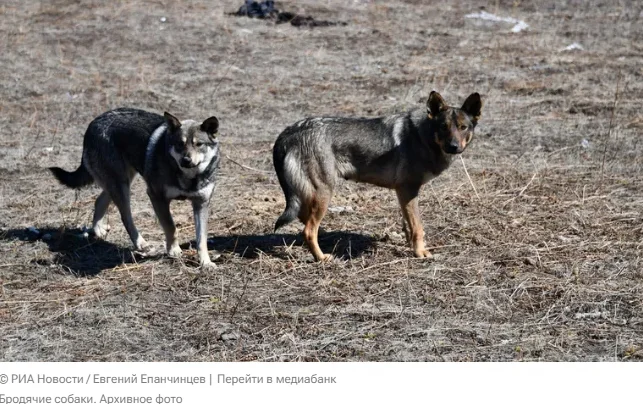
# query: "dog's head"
[[453, 126], [193, 145]]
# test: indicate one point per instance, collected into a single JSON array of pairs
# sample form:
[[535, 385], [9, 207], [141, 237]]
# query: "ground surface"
[[539, 255]]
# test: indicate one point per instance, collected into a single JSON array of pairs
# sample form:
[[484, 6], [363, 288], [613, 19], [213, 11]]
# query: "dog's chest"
[[203, 193], [427, 176]]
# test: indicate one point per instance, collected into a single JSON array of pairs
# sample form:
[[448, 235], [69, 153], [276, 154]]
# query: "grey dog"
[[177, 160], [402, 152]]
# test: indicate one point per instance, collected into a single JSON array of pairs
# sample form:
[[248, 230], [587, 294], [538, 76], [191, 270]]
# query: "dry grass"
[[538, 247]]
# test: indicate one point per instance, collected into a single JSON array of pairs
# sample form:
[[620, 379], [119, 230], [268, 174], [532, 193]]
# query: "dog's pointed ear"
[[210, 125], [172, 122], [472, 106], [435, 104]]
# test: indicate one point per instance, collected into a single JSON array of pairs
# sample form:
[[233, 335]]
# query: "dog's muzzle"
[[186, 162], [453, 148]]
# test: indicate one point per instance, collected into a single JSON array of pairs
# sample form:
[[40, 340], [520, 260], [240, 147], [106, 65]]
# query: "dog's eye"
[[463, 127], [199, 144]]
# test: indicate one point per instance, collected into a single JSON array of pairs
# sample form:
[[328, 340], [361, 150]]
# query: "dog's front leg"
[[162, 209], [201, 223], [408, 197]]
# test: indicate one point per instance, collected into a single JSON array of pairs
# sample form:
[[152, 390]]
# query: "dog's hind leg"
[[407, 233], [312, 214], [100, 209], [408, 198]]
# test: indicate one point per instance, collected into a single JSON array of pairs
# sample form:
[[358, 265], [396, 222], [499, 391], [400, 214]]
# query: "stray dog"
[[178, 160], [402, 152]]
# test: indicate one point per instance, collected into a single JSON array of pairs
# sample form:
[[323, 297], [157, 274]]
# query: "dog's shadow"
[[85, 255], [341, 244], [80, 252]]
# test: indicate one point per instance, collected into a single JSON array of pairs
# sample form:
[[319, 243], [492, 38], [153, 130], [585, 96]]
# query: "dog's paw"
[[143, 249], [326, 258], [208, 265], [174, 252], [101, 230], [142, 245], [423, 253], [148, 252]]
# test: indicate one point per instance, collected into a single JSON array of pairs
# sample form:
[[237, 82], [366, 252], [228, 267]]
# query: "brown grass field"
[[538, 250]]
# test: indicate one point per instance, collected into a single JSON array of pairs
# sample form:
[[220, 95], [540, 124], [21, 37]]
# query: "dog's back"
[[114, 143], [120, 135]]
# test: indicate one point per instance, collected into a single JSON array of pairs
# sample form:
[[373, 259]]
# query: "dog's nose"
[[186, 162], [452, 148]]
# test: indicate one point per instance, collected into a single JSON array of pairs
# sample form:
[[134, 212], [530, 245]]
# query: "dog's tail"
[[290, 213], [77, 179], [292, 200]]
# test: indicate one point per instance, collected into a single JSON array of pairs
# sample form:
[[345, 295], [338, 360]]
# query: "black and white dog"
[[178, 160]]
